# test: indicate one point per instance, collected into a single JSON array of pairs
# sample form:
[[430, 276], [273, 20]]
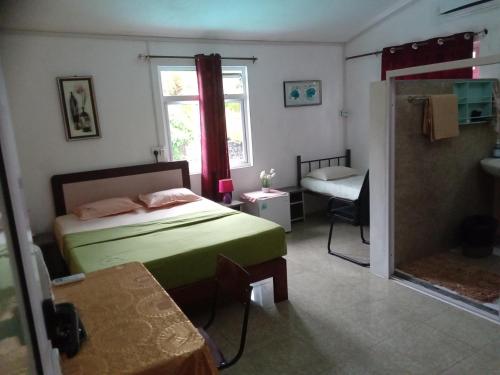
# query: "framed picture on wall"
[[78, 107], [301, 93]]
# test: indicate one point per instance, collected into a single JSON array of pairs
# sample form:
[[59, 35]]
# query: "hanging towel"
[[440, 117]]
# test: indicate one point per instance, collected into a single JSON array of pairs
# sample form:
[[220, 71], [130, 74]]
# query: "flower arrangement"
[[265, 179]]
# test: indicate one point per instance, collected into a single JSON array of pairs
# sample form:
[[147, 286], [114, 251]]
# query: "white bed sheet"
[[67, 224], [346, 188]]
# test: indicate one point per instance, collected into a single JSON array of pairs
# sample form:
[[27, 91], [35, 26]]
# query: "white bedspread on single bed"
[[67, 224], [346, 188]]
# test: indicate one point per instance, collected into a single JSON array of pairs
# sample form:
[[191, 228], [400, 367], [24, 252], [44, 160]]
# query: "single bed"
[[178, 245], [348, 198], [345, 188]]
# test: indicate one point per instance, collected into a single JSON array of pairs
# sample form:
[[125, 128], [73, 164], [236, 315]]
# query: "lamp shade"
[[226, 186]]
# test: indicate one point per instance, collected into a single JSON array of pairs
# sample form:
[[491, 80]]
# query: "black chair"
[[233, 281], [355, 212]]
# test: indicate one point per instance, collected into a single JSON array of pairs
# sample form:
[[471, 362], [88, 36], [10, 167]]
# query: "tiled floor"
[[340, 319], [347, 242]]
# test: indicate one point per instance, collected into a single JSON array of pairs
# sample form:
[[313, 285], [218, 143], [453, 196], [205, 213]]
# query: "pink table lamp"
[[226, 187]]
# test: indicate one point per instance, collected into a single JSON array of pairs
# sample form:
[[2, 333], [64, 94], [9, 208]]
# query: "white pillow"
[[332, 173], [105, 207], [169, 197]]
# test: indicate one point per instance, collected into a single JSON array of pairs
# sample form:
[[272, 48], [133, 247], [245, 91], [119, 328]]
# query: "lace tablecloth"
[[133, 327]]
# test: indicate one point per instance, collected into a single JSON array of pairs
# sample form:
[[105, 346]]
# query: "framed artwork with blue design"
[[301, 93]]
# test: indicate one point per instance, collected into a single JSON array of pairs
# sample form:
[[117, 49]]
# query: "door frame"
[[386, 261]]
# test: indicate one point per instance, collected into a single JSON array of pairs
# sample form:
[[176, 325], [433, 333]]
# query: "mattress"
[[67, 224], [346, 188], [179, 246]]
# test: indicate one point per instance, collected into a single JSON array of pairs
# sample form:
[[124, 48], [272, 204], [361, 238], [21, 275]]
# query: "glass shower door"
[[15, 356], [24, 344]]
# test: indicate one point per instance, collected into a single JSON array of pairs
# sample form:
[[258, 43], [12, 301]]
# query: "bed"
[[348, 197], [178, 245], [345, 189]]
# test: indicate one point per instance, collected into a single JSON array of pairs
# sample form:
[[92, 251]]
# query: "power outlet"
[[343, 113], [160, 151]]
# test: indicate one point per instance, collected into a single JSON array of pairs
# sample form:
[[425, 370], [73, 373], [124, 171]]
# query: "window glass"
[[233, 83], [235, 132], [179, 82], [184, 123], [181, 103]]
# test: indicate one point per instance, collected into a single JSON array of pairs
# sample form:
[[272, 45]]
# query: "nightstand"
[[51, 254], [276, 209], [235, 205], [297, 208]]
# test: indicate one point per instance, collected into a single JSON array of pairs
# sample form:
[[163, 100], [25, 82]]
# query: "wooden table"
[[133, 327]]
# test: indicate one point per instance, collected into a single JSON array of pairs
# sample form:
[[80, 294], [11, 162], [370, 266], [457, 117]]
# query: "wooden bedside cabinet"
[[297, 207]]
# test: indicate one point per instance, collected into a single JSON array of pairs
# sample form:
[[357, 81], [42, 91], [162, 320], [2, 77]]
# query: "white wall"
[[418, 21], [126, 108]]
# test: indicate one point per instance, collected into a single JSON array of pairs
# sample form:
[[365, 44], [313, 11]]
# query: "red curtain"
[[214, 154], [436, 50]]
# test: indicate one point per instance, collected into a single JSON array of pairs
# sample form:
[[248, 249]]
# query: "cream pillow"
[[105, 207], [332, 173], [169, 197]]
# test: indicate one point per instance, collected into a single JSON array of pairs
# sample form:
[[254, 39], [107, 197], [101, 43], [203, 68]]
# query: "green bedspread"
[[181, 250]]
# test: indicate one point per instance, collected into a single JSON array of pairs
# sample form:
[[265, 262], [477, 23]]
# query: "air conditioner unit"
[[447, 7]]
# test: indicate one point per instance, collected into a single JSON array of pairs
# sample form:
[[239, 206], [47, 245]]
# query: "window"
[[182, 115]]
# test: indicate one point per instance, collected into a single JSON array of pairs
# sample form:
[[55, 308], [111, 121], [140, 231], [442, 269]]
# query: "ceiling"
[[263, 20]]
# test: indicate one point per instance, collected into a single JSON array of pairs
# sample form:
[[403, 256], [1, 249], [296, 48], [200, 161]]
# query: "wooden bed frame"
[[187, 295]]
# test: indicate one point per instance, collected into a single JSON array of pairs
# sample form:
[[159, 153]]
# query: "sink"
[[491, 166]]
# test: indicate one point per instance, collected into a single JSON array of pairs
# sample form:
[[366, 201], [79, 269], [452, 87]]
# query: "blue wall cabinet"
[[475, 100]]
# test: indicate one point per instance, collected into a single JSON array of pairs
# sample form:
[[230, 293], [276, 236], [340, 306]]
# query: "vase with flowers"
[[266, 178]]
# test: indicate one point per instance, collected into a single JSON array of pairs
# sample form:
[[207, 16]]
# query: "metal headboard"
[[332, 161]]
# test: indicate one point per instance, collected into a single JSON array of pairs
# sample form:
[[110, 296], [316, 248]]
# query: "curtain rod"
[[253, 59], [482, 32]]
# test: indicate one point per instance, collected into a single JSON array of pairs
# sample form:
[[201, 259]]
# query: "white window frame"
[[241, 98]]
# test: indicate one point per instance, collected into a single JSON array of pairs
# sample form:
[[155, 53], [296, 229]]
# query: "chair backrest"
[[364, 200], [233, 280]]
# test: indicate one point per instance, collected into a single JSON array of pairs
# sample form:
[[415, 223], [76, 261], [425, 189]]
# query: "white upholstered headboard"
[[73, 189]]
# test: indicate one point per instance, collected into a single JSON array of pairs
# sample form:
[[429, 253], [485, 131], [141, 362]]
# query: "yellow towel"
[[441, 117]]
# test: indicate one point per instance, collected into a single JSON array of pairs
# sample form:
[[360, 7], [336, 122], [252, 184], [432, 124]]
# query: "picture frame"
[[78, 105], [302, 93]]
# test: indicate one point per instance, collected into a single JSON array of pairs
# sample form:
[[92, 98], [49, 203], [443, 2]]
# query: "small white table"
[[273, 208]]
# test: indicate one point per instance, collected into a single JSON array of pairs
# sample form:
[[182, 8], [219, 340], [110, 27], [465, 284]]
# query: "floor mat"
[[455, 272]]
